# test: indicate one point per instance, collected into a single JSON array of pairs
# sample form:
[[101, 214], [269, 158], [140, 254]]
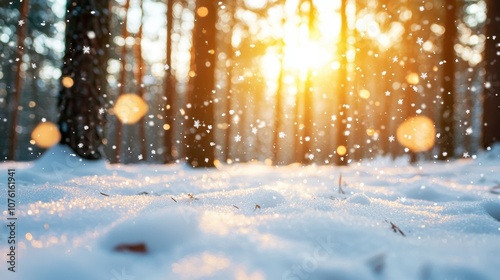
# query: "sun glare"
[[304, 49]]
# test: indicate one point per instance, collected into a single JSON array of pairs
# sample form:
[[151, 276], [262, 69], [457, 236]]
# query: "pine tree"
[[82, 96]]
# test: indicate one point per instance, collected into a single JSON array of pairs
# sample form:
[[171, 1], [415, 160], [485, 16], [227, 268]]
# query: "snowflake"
[[21, 22], [254, 130], [423, 76], [392, 138], [33, 65], [466, 155], [403, 199], [197, 123], [334, 118], [86, 49], [166, 67], [101, 111], [237, 138], [420, 41], [139, 157], [400, 101], [395, 59], [282, 134], [387, 93], [209, 127]]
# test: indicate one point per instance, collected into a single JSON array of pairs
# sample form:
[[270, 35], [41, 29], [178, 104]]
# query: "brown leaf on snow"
[[134, 248]]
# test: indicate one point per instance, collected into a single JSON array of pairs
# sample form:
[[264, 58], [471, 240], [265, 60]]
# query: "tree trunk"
[[121, 89], [278, 116], [341, 122], [200, 151], [309, 125], [491, 116], [446, 128], [16, 94], [140, 89], [81, 105], [170, 85]]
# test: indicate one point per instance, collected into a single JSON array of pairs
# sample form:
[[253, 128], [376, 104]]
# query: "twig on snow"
[[341, 191], [395, 228]]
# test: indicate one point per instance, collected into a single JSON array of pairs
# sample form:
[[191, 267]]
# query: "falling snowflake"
[[423, 76], [395, 59], [197, 123], [392, 138], [420, 41], [209, 127], [400, 101], [387, 93], [166, 67], [282, 134], [237, 138], [86, 49], [101, 111], [466, 155], [21, 22], [139, 157], [254, 130], [33, 65]]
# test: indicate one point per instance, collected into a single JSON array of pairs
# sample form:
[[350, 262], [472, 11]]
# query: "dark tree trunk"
[[121, 90], [491, 113], [16, 96], [200, 151], [170, 85], [341, 122], [446, 129], [81, 106]]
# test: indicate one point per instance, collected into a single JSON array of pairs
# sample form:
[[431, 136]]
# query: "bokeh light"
[[130, 108], [45, 135], [417, 134]]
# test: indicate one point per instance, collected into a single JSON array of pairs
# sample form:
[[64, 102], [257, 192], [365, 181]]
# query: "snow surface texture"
[[250, 221]]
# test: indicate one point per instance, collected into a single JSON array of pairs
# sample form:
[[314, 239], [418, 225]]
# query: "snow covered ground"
[[92, 220]]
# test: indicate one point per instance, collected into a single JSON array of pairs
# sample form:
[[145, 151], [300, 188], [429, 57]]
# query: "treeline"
[[310, 81]]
